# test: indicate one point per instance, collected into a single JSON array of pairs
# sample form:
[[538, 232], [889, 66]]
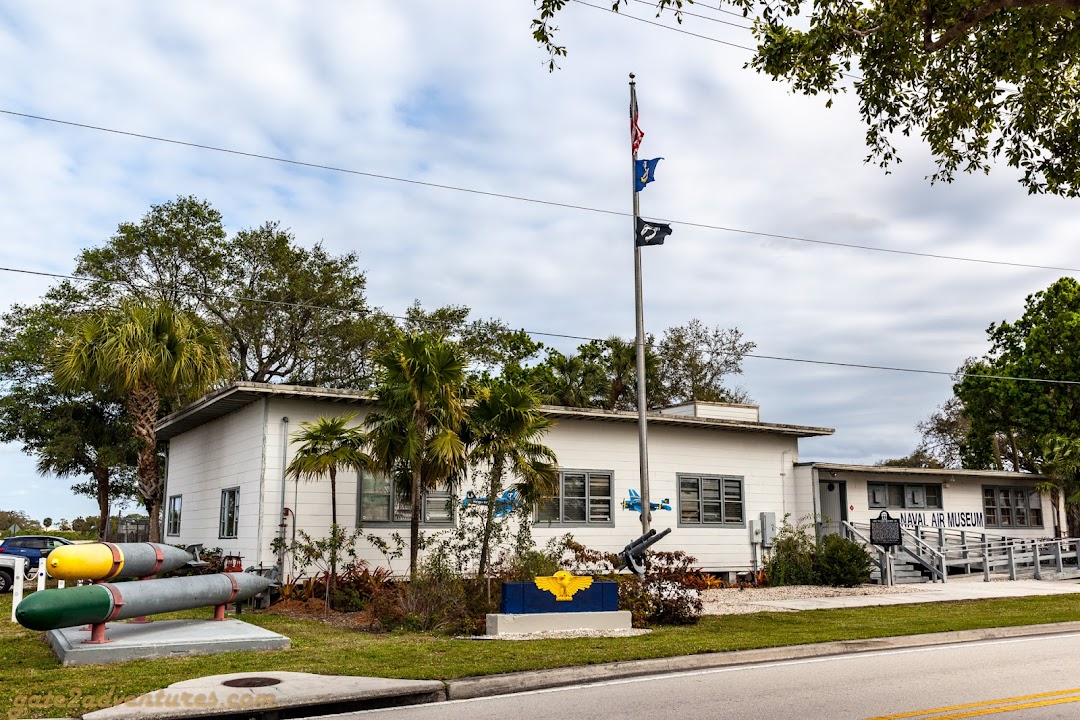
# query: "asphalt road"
[[1021, 678]]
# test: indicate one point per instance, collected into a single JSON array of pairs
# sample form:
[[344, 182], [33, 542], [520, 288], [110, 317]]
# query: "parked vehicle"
[[7, 573], [31, 547]]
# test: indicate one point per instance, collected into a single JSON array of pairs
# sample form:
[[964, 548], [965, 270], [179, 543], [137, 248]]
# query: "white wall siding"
[[308, 500], [218, 455], [754, 457], [721, 411]]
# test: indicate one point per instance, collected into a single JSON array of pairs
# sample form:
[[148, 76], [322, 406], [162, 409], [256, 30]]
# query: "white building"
[[717, 466], [972, 501]]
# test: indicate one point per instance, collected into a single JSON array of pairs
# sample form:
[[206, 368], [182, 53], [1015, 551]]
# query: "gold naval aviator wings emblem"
[[563, 585]]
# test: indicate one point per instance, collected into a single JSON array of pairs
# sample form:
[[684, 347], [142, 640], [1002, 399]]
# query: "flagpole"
[[643, 448]]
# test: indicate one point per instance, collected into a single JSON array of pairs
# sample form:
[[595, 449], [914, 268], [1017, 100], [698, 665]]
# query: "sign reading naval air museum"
[[942, 519]]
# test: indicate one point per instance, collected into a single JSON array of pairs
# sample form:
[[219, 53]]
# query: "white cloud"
[[458, 94]]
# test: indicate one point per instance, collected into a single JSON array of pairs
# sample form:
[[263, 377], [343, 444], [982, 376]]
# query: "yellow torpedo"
[[93, 561]]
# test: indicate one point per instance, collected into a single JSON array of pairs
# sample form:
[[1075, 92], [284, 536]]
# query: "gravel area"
[[733, 601], [729, 601]]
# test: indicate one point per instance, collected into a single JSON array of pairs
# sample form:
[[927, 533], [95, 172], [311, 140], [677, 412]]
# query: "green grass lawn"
[[28, 667]]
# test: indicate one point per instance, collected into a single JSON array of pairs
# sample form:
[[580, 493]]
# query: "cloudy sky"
[[457, 94]]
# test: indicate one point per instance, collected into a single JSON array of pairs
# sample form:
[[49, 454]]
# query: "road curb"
[[491, 685]]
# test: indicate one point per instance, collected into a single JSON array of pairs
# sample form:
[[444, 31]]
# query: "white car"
[[7, 573]]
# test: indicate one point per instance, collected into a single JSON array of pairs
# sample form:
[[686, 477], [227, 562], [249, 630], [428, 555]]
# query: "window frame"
[[173, 519], [397, 503], [723, 480], [223, 520], [588, 498], [918, 492], [1017, 500]]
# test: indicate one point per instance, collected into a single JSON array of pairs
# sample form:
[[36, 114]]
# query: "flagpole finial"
[[632, 76]]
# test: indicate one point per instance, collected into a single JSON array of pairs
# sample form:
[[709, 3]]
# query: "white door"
[[833, 495]]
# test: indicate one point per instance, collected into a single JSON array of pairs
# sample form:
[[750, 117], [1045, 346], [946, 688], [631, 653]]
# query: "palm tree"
[[506, 427], [416, 433], [327, 446], [622, 369], [573, 382], [150, 354]]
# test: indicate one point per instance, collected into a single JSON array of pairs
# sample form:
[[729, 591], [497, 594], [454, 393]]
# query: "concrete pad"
[[161, 639], [506, 624], [320, 694]]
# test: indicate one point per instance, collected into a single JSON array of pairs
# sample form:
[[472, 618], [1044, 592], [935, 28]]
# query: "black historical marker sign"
[[885, 530]]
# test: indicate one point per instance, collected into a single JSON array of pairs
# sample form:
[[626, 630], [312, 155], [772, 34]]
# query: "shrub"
[[791, 561], [525, 564], [669, 580], [439, 599], [667, 595], [346, 600], [842, 562], [448, 604]]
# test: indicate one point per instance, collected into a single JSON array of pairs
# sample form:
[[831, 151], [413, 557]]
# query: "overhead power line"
[[699, 15], [848, 75], [566, 336], [666, 27], [537, 201], [726, 11]]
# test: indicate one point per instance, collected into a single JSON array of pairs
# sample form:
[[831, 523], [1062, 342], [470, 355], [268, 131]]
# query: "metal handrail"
[[1010, 551], [937, 567], [936, 562]]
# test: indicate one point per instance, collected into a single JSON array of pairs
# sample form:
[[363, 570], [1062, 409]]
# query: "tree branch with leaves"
[[977, 80]]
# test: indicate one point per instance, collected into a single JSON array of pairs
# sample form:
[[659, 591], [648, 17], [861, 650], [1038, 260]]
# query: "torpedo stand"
[[97, 630]]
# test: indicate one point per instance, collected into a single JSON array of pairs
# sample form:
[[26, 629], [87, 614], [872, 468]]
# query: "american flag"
[[636, 134]]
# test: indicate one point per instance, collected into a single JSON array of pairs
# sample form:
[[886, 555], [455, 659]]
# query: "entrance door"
[[833, 494]]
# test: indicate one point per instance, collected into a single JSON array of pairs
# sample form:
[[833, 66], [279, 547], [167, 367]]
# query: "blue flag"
[[644, 173]]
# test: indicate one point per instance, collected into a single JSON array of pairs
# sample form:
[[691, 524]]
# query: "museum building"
[[723, 481]]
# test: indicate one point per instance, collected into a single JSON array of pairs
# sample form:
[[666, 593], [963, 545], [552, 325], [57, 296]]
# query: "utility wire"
[[585, 338], [537, 201], [723, 10], [667, 27], [851, 76], [302, 163], [697, 15]]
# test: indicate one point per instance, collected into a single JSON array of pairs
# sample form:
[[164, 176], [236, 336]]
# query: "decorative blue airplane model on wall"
[[634, 503], [505, 503]]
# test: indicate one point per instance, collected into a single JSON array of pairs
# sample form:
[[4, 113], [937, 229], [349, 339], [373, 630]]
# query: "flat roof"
[[240, 394], [658, 418], [938, 472]]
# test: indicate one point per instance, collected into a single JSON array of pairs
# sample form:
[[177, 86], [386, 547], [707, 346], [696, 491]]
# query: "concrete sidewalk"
[[967, 588]]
